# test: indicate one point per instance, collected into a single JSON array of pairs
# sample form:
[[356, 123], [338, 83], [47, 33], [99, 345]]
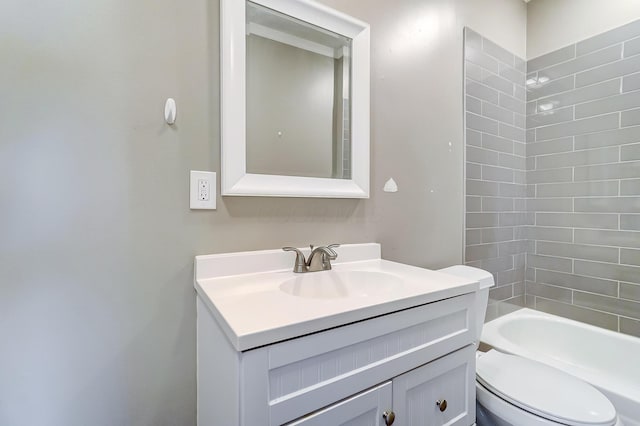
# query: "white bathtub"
[[610, 361]]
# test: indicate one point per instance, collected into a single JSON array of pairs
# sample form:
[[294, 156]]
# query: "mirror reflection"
[[297, 97]]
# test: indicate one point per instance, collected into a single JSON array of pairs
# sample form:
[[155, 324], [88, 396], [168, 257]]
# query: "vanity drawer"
[[287, 380], [366, 408]]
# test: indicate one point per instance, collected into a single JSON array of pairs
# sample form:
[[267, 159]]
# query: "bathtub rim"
[[617, 392]]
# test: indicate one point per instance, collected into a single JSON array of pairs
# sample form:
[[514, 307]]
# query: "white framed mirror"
[[294, 100]]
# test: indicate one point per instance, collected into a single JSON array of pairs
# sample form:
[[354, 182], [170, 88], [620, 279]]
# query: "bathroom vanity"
[[370, 342]]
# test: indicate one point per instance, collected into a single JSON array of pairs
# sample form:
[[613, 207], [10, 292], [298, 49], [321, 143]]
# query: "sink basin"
[[340, 284]]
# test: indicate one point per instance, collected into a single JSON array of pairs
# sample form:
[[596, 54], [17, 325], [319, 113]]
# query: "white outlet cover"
[[194, 201]]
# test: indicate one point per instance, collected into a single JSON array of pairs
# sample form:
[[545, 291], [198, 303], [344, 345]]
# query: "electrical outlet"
[[202, 190]]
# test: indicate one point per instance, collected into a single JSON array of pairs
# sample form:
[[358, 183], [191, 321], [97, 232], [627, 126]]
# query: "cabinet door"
[[363, 409], [419, 395]]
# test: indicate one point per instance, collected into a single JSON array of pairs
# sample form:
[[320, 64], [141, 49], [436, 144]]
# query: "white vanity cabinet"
[[417, 362]]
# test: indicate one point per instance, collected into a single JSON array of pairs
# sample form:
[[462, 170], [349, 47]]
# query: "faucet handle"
[[330, 253], [301, 263]]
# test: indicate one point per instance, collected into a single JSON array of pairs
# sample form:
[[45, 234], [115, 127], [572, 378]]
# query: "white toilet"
[[514, 391]]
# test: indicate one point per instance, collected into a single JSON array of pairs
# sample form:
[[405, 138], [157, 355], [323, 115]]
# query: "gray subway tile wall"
[[553, 177], [496, 210], [630, 291], [550, 59], [583, 147], [616, 35], [631, 82]]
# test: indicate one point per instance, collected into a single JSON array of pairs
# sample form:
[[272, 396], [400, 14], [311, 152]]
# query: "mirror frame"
[[235, 180]]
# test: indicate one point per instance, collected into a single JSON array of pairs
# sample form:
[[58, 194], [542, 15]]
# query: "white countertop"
[[242, 291]]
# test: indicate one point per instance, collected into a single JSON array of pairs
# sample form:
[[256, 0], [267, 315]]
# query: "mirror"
[[297, 97], [295, 100]]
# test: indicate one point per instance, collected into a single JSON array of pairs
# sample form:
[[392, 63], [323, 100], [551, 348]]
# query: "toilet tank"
[[486, 281]]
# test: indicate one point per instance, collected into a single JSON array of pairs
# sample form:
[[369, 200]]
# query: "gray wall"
[[495, 169], [97, 310], [583, 156]]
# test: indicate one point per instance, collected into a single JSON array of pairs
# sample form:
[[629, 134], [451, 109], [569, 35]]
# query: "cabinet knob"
[[389, 417], [442, 404]]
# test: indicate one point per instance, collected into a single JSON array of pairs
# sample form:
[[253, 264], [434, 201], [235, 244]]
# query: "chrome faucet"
[[319, 259], [301, 264], [326, 255]]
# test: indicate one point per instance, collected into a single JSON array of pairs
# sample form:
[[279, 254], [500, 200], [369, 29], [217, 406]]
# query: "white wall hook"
[[170, 111], [390, 186]]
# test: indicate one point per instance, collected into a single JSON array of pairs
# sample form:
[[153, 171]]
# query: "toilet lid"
[[544, 390]]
